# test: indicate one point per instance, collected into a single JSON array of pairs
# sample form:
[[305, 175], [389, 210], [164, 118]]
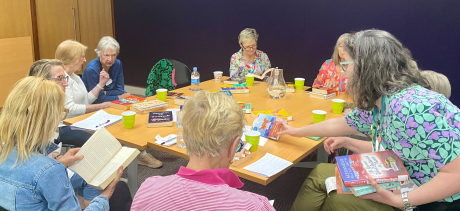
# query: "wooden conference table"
[[293, 149]]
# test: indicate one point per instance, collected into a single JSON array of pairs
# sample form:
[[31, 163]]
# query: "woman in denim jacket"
[[30, 180]]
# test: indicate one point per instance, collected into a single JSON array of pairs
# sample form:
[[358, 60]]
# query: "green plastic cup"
[[161, 94], [319, 116], [249, 79], [337, 106], [252, 137], [299, 83], [128, 119]]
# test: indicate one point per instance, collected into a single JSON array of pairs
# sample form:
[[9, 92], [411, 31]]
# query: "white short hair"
[[248, 34], [106, 43]]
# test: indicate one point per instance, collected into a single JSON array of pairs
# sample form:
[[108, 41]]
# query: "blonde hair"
[[248, 34], [30, 116], [42, 68], [70, 52], [438, 82], [106, 43], [335, 55], [211, 122]]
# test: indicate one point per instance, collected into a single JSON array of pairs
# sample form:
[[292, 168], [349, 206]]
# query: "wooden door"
[[57, 21], [96, 21]]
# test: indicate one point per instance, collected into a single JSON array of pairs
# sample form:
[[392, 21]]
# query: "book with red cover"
[[323, 90], [125, 103], [383, 167], [339, 183]]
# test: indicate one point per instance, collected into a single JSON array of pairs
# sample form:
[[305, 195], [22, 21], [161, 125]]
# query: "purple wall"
[[297, 35]]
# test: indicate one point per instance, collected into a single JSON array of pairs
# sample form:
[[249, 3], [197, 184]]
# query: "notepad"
[[96, 121], [268, 165]]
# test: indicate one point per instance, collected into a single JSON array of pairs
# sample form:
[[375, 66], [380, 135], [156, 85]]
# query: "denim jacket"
[[40, 183]]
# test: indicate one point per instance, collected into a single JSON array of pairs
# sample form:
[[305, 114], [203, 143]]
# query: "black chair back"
[[183, 73]]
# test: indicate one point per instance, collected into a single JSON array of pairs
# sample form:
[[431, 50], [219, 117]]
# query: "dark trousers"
[[121, 198], [72, 137]]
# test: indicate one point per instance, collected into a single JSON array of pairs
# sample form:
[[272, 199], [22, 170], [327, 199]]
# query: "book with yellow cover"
[[281, 113]]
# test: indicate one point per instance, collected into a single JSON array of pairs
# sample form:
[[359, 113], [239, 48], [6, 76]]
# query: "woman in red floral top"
[[331, 74]]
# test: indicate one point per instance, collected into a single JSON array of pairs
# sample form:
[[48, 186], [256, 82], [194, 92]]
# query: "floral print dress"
[[421, 126], [328, 72], [240, 67]]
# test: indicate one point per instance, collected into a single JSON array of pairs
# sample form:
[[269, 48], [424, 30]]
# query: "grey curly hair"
[[381, 64]]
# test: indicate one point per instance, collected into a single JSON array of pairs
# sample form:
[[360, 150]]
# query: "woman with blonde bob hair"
[[29, 179], [420, 126], [331, 73], [213, 124]]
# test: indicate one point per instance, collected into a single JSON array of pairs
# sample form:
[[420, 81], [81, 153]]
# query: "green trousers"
[[313, 197]]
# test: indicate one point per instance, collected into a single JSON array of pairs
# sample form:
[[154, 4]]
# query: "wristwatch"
[[407, 205]]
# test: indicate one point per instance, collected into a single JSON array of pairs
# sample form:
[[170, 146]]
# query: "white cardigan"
[[77, 97]]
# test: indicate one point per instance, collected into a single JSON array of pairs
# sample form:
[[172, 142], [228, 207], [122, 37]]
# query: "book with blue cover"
[[268, 126]]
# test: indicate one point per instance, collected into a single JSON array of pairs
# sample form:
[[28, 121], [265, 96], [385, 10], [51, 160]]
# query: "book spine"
[[367, 189], [388, 179]]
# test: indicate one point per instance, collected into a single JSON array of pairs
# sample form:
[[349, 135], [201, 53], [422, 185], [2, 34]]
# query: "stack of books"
[[146, 107], [124, 104], [323, 92], [235, 88], [290, 87], [353, 171]]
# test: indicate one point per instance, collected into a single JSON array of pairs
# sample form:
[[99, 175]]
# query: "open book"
[[103, 155]]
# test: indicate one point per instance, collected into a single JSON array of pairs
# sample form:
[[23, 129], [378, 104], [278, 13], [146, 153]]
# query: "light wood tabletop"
[[293, 149]]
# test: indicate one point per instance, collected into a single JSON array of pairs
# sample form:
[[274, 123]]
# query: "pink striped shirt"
[[210, 189]]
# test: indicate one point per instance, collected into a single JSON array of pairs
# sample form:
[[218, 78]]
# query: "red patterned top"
[[328, 72]]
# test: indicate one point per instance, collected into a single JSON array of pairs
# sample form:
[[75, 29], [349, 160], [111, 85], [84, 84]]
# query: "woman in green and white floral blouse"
[[421, 126]]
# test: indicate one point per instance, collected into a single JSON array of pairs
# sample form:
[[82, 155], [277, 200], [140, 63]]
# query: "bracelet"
[[407, 205], [99, 87]]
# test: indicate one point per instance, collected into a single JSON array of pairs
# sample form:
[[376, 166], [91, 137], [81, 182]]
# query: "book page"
[[97, 152], [111, 168], [331, 184]]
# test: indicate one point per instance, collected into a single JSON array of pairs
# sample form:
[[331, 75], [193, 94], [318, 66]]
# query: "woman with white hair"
[[248, 59], [331, 74], [107, 51], [206, 183]]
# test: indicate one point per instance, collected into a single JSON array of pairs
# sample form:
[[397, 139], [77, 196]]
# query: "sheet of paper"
[[174, 112], [96, 121], [272, 202], [331, 184], [268, 165], [167, 141]]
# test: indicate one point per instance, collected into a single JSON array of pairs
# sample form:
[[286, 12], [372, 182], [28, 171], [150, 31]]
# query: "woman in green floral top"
[[421, 126]]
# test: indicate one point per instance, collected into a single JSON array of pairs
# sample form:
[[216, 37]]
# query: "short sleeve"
[[360, 120]]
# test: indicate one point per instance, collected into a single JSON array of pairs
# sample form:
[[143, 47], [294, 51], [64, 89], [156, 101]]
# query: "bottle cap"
[[194, 68]]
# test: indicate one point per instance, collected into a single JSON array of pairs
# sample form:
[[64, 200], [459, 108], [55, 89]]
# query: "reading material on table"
[[268, 165], [96, 121], [103, 155], [160, 119], [268, 126]]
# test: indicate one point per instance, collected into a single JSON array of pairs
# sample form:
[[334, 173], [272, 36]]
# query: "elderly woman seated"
[[213, 125]]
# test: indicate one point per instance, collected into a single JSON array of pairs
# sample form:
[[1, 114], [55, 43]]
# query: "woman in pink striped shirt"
[[213, 125]]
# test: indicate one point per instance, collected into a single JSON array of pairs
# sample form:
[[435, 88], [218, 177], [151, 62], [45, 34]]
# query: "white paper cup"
[[218, 76]]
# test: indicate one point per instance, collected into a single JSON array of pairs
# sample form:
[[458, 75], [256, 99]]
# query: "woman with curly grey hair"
[[395, 107]]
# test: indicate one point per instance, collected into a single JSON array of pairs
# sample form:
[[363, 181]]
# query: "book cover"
[[245, 106], [235, 80], [145, 107], [125, 103], [281, 113], [383, 167], [160, 119], [267, 126], [323, 90], [341, 189], [235, 88], [173, 94], [367, 189]]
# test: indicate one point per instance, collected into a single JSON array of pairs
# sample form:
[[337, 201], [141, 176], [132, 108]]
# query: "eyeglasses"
[[248, 47], [106, 56], [60, 78], [345, 65], [65, 113]]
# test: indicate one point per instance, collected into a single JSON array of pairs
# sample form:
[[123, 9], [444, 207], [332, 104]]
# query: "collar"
[[211, 176]]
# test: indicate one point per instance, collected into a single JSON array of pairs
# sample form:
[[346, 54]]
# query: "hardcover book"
[[235, 88], [160, 119], [125, 103], [383, 167], [281, 113], [268, 126]]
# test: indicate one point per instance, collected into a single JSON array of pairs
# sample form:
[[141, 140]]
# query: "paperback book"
[[290, 87], [145, 107], [383, 167], [268, 126], [160, 119], [235, 88], [245, 106], [125, 103], [173, 95], [323, 90], [322, 96]]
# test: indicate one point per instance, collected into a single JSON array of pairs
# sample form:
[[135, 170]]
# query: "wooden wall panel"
[[16, 57], [15, 18], [95, 22], [55, 22]]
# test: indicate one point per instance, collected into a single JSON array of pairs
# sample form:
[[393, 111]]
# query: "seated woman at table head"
[[393, 105], [331, 74], [30, 180], [248, 59], [106, 61], [212, 129]]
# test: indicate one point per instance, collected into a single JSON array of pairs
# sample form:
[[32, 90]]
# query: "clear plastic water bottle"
[[195, 79], [180, 130]]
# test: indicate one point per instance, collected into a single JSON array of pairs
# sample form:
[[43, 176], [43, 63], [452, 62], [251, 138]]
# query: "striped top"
[[210, 189]]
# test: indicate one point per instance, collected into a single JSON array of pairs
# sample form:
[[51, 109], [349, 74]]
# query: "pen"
[[103, 123]]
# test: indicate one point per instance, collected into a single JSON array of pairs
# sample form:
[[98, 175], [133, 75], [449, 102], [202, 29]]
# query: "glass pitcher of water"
[[276, 86]]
